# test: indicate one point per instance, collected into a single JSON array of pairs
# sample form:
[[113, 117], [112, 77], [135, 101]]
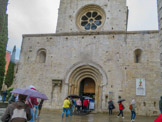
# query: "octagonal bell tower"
[[91, 15]]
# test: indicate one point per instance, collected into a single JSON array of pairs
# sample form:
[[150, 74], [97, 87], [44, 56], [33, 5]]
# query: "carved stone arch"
[[41, 55], [84, 70]]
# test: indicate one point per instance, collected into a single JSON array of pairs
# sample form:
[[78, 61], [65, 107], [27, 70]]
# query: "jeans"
[[34, 113], [4, 98], [110, 111], [71, 111], [78, 108], [85, 109], [65, 110], [121, 112], [133, 115]]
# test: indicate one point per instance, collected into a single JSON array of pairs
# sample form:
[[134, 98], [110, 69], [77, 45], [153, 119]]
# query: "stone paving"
[[56, 117]]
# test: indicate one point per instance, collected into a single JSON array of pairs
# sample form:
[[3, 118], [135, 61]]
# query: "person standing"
[[4, 93], [33, 104], [121, 108], [133, 113], [85, 105], [40, 107], [17, 111], [66, 106], [160, 104], [71, 107], [12, 98], [110, 106], [79, 104]]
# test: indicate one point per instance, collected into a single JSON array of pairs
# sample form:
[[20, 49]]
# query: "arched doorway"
[[87, 88], [79, 78]]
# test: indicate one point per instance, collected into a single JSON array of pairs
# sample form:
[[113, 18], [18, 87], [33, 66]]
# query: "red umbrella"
[[159, 118]]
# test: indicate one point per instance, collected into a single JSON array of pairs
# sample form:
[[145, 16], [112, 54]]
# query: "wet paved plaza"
[[56, 117]]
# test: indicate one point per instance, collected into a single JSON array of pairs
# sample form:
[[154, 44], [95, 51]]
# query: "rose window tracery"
[[91, 18]]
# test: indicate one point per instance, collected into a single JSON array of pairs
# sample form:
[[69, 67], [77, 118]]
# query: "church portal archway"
[[86, 80]]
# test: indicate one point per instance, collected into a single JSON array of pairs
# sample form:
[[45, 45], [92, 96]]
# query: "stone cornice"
[[91, 33]]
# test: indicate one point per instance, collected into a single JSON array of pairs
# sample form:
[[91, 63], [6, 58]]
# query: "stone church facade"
[[93, 54]]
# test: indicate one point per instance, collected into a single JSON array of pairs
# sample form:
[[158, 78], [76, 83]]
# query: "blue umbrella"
[[30, 92]]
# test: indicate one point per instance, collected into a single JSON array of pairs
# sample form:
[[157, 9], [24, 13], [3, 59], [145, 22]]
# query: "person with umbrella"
[[121, 108], [33, 103], [17, 111], [30, 93]]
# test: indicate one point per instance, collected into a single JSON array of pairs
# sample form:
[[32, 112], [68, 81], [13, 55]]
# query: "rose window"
[[91, 18], [91, 21]]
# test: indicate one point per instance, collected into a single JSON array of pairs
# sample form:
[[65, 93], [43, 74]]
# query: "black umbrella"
[[121, 100], [73, 96]]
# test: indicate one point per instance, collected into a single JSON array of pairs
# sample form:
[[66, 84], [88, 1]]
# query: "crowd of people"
[[70, 105], [132, 108], [22, 108], [121, 108]]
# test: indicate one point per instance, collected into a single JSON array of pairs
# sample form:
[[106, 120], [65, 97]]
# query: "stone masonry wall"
[[109, 50], [115, 10]]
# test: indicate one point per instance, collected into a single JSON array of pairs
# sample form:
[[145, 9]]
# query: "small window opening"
[[154, 104], [144, 103], [138, 54], [41, 56]]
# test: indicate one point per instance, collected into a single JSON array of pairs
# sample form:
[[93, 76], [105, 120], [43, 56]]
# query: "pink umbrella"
[[159, 118], [30, 93]]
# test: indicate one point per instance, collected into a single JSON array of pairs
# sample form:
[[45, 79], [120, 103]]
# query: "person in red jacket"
[[33, 103], [121, 108], [85, 105]]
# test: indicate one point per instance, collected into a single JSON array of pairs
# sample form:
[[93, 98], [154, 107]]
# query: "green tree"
[[3, 38], [10, 72]]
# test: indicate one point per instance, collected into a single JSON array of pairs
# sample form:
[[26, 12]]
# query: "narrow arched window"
[[137, 55], [41, 56]]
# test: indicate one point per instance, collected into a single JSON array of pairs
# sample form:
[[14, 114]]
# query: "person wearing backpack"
[[132, 108], [17, 111]]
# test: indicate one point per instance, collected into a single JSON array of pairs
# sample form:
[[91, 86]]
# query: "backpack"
[[130, 107], [19, 113]]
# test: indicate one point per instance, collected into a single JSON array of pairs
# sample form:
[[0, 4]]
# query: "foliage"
[[3, 39], [10, 74], [9, 93]]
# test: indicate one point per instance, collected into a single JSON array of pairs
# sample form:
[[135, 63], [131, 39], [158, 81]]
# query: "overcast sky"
[[40, 16]]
